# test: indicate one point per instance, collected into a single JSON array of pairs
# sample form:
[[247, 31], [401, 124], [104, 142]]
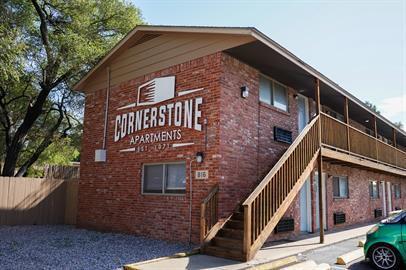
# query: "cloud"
[[394, 108]]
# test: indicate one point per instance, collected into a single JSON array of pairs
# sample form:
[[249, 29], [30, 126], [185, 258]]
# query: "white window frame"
[[182, 190], [377, 190], [395, 187], [273, 81]]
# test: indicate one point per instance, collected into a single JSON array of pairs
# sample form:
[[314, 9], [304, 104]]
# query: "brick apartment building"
[[216, 135]]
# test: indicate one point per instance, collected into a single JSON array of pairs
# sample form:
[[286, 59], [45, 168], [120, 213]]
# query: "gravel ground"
[[65, 247]]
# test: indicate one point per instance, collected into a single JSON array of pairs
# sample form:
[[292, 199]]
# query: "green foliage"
[[372, 107], [399, 125], [45, 47]]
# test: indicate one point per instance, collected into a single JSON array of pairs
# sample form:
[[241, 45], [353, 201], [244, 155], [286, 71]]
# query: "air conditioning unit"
[[378, 213], [285, 225], [339, 218]]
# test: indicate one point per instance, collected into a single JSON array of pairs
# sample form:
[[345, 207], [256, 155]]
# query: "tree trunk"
[[13, 150]]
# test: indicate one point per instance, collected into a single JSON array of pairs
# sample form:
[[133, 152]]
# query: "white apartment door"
[[384, 198], [389, 196], [305, 207], [316, 185], [303, 112], [305, 192]]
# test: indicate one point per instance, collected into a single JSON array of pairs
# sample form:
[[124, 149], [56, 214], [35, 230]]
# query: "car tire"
[[384, 257]]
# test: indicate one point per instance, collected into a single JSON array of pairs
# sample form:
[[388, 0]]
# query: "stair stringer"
[[259, 242]]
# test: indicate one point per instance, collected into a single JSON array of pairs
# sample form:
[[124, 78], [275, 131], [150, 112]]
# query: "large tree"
[[45, 47]]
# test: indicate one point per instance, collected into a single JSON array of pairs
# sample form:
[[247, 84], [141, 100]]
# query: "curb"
[[303, 265], [350, 256], [274, 264], [134, 266]]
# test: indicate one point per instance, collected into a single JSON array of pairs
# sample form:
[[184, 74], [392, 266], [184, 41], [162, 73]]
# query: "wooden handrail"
[[211, 194], [382, 152], [209, 213], [266, 205], [364, 133], [281, 161]]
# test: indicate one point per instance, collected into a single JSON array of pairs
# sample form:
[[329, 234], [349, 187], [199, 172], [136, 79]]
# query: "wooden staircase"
[[228, 242], [244, 232]]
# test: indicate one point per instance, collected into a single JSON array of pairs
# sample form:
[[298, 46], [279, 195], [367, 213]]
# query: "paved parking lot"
[[65, 247], [329, 254]]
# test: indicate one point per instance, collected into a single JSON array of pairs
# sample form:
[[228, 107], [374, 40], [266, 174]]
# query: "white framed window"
[[397, 191], [164, 178], [340, 187], [273, 93], [374, 189]]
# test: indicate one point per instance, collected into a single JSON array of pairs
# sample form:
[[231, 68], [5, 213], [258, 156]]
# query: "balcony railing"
[[344, 137]]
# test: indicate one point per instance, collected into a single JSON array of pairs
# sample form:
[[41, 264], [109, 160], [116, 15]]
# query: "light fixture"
[[199, 157], [244, 91], [295, 96], [367, 121]]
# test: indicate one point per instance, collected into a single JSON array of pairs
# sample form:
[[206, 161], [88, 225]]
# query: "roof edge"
[[296, 60], [162, 28]]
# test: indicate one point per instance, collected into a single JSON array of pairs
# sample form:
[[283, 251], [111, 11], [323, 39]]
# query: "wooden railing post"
[[202, 222], [321, 206], [347, 121], [247, 231], [209, 215], [320, 164], [376, 138]]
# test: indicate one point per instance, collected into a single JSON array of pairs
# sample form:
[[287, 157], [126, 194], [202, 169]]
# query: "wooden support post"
[[395, 145], [347, 121], [376, 138], [321, 210], [202, 222], [247, 232], [320, 165], [317, 96]]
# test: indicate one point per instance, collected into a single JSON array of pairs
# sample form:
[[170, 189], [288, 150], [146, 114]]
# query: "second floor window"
[[374, 189], [340, 187], [273, 93]]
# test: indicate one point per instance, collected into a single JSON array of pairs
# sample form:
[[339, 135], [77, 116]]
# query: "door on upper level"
[[303, 112]]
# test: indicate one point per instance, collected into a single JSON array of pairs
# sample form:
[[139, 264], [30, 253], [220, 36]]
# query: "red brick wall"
[[239, 150], [110, 193], [247, 144], [359, 207]]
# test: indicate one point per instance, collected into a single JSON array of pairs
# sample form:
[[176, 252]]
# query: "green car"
[[385, 246]]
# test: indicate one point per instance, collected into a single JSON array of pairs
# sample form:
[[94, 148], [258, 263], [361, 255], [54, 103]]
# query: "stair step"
[[228, 243], [217, 251], [241, 208], [231, 233], [238, 216], [235, 224]]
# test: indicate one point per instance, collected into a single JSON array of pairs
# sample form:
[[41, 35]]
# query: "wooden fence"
[[25, 201], [61, 172]]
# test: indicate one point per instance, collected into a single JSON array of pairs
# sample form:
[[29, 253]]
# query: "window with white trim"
[[165, 178], [340, 187], [374, 189], [397, 191], [273, 93]]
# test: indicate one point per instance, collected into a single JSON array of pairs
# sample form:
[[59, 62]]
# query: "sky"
[[361, 45]]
